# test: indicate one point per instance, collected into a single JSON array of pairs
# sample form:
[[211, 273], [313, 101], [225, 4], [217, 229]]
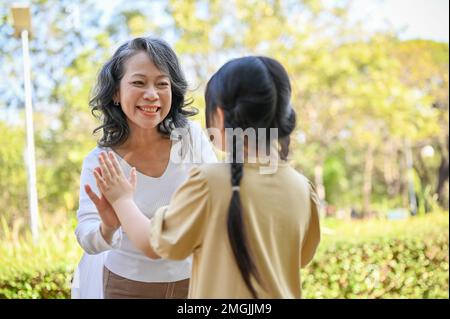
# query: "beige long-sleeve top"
[[280, 213]]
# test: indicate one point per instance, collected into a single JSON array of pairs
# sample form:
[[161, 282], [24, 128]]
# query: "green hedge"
[[397, 268], [363, 259], [41, 269], [407, 267], [48, 283]]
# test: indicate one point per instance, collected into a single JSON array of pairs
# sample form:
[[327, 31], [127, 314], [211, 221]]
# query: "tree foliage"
[[360, 97]]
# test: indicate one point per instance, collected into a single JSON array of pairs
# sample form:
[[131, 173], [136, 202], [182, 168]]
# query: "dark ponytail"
[[253, 92], [235, 223]]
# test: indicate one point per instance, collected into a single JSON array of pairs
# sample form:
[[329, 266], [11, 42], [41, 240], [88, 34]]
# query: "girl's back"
[[281, 221]]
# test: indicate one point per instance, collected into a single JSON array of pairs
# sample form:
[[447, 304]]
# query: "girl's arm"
[[119, 191], [135, 224]]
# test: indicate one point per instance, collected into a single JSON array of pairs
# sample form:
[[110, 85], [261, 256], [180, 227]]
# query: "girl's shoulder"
[[297, 180], [214, 174]]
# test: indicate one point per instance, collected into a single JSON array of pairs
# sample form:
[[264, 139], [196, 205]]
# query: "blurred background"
[[370, 87]]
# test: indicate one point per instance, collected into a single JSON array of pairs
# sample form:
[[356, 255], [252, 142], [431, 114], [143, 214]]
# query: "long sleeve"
[[177, 230], [312, 237], [88, 227]]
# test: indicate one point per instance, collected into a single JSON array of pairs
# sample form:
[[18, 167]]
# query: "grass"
[[357, 231], [57, 245]]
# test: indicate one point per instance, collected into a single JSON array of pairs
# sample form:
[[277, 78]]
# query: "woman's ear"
[[116, 97]]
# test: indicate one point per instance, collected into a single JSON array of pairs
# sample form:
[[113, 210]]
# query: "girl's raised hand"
[[112, 182]]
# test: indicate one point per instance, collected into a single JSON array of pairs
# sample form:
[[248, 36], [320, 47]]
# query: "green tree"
[[13, 179]]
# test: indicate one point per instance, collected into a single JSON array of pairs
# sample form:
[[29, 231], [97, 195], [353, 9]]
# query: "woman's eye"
[[163, 84], [137, 83]]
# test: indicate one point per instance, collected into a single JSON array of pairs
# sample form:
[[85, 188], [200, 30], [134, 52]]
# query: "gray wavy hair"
[[114, 121]]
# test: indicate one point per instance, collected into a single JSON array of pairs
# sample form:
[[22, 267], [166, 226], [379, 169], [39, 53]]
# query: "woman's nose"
[[150, 94]]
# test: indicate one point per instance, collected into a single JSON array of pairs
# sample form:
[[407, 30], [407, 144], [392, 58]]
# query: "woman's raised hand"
[[104, 208]]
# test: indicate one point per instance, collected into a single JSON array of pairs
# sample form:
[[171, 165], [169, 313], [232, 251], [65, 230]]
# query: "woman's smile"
[[148, 110]]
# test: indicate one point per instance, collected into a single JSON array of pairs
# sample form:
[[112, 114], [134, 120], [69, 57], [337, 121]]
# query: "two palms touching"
[[105, 210], [109, 182]]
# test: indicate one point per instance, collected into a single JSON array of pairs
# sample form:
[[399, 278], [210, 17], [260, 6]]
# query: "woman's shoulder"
[[194, 143], [92, 156], [193, 124], [194, 127], [190, 131]]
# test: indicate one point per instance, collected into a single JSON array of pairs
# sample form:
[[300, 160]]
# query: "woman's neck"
[[142, 139]]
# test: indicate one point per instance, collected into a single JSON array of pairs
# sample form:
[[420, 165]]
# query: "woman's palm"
[[104, 208], [107, 213]]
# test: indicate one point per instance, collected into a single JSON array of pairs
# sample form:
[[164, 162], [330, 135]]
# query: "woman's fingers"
[[94, 198]]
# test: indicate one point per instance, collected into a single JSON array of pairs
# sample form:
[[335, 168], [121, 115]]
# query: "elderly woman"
[[140, 97]]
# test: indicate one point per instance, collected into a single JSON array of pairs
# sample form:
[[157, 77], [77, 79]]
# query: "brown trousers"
[[117, 287]]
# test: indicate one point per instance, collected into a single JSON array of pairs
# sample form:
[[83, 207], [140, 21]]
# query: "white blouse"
[[151, 193]]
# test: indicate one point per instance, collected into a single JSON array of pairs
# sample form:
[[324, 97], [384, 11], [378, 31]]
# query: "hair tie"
[[235, 188]]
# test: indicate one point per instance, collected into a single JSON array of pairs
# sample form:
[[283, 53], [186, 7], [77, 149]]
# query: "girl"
[[249, 232], [140, 97]]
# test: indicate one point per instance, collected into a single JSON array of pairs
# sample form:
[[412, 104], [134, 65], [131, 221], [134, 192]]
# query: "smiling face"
[[145, 93]]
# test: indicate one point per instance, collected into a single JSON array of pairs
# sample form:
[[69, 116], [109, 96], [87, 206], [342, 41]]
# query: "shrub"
[[393, 268], [362, 259], [49, 283], [39, 270], [383, 259]]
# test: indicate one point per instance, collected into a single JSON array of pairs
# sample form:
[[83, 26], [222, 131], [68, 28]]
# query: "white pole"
[[31, 162]]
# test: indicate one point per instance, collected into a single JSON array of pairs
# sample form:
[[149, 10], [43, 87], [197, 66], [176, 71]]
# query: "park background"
[[371, 96]]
